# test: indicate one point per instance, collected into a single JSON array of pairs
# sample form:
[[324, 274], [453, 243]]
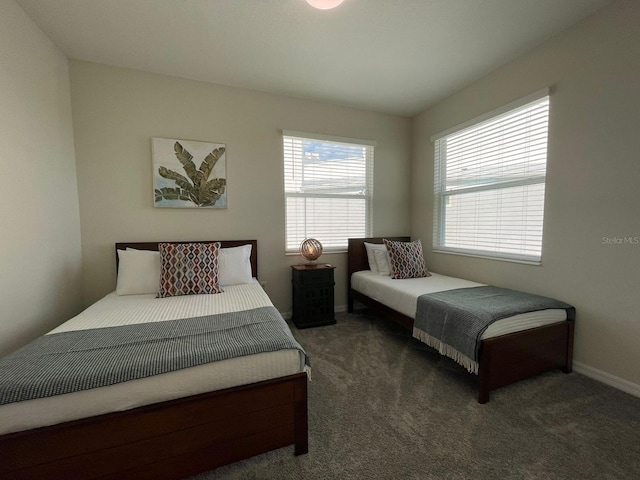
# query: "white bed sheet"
[[402, 295], [115, 310]]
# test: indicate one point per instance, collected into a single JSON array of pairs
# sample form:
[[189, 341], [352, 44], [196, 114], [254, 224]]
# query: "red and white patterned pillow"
[[406, 259], [188, 269]]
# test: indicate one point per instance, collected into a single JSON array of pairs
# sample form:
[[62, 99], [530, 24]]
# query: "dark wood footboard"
[[516, 356], [502, 360], [167, 440]]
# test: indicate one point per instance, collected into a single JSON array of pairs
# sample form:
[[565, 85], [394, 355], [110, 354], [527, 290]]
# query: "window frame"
[[440, 194], [367, 196]]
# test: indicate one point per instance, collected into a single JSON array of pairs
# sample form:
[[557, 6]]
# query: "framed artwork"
[[189, 174]]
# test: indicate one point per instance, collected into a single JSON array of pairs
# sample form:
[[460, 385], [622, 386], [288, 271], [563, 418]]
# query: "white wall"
[[593, 178], [40, 252], [117, 111]]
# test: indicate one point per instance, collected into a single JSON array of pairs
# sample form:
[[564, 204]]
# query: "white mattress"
[[402, 296], [115, 310]]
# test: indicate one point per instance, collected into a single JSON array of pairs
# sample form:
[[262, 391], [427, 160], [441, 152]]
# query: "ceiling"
[[393, 56]]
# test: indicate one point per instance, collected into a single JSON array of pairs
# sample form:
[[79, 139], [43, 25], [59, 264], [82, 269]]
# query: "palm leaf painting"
[[182, 183]]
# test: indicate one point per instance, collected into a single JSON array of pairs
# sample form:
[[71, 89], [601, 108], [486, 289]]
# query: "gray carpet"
[[382, 405]]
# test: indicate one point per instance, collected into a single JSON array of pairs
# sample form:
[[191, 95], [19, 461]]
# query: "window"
[[489, 183], [328, 183]]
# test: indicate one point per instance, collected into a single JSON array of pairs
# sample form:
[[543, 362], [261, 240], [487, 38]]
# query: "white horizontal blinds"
[[440, 169], [489, 185], [328, 187]]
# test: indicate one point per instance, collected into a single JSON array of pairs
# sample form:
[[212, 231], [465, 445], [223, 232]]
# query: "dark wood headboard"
[[357, 254], [224, 243]]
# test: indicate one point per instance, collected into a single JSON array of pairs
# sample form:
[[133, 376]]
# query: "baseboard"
[[607, 378]]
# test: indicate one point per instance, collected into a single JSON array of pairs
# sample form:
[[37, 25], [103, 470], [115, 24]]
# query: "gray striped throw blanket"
[[453, 321], [79, 360]]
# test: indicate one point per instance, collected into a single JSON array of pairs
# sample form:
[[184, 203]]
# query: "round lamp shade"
[[311, 249]]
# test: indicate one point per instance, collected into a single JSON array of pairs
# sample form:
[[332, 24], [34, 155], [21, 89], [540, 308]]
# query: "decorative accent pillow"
[[371, 249], [382, 258], [188, 269], [406, 259], [138, 272], [235, 265]]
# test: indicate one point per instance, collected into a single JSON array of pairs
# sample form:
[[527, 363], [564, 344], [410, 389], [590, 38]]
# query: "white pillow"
[[373, 262], [370, 247], [234, 265], [382, 259], [138, 272]]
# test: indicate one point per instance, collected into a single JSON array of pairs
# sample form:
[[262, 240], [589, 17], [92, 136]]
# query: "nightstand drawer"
[[313, 276]]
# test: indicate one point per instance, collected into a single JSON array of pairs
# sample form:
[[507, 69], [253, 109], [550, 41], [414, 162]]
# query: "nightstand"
[[312, 295]]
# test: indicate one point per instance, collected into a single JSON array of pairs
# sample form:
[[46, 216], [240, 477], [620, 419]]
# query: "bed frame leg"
[[568, 367], [483, 396], [484, 376], [483, 389], [301, 433]]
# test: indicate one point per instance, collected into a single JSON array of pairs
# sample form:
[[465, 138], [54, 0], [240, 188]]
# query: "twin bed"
[[510, 349], [192, 418]]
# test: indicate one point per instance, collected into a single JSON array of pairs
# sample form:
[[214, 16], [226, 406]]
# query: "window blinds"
[[490, 183], [328, 187]]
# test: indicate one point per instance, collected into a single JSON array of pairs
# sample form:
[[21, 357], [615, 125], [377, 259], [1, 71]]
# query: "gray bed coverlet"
[[453, 321], [79, 360]]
